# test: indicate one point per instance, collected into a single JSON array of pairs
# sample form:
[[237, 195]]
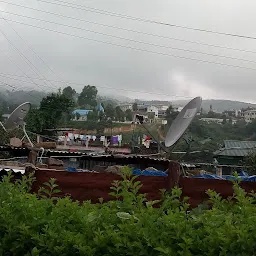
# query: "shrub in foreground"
[[41, 224]]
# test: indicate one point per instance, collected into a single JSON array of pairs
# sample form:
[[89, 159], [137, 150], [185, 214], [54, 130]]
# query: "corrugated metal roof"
[[236, 148], [239, 144], [233, 152], [82, 112]]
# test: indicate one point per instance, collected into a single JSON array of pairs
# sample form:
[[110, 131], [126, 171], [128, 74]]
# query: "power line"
[[21, 54], [123, 16], [14, 63], [134, 48], [29, 47], [130, 30], [24, 81], [98, 86], [14, 87], [103, 87], [130, 40]]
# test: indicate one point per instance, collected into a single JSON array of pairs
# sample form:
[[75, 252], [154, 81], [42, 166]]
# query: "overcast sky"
[[127, 71]]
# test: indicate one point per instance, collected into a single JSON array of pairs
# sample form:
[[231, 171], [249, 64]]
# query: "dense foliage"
[[44, 225], [54, 109]]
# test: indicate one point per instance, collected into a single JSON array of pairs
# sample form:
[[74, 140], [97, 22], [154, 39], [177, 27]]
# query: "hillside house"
[[80, 114], [233, 153], [249, 115]]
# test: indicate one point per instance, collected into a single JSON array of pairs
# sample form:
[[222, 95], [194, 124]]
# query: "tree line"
[[56, 110]]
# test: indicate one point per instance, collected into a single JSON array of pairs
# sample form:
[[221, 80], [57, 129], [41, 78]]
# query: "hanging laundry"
[[102, 138], [61, 138], [114, 140], [119, 138], [93, 137], [71, 136]]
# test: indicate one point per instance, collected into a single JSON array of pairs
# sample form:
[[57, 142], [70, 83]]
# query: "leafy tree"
[[250, 162], [35, 121], [88, 96], [51, 112], [128, 115], [171, 114], [102, 116], [110, 111], [224, 120], [69, 92], [119, 114], [93, 116], [135, 106]]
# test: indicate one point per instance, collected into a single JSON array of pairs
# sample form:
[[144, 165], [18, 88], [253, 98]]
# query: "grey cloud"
[[103, 65]]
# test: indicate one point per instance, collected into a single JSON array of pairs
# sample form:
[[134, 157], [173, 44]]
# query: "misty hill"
[[218, 105], [11, 99]]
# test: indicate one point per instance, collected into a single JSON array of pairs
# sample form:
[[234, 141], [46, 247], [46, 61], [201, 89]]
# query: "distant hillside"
[[219, 105]]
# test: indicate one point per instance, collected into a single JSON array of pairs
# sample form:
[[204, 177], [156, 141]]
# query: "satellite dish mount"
[[16, 119]]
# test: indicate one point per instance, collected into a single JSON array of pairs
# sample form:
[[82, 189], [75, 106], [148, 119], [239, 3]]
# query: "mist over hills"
[[34, 97], [219, 105]]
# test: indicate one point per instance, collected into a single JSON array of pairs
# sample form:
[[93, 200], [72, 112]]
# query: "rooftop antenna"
[[179, 125], [16, 119], [182, 121]]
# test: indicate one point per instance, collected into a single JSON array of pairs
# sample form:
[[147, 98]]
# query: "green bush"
[[41, 224]]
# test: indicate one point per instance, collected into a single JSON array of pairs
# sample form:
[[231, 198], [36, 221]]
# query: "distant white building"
[[162, 107], [153, 109], [80, 114], [216, 120], [249, 115], [212, 120]]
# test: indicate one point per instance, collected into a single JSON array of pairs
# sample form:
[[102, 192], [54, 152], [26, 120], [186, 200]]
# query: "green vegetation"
[[41, 224], [54, 109]]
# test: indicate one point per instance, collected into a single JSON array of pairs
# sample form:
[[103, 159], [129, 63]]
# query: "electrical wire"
[[30, 64], [123, 16], [14, 63], [29, 47], [129, 30], [24, 81], [134, 48], [14, 87], [104, 87], [130, 40]]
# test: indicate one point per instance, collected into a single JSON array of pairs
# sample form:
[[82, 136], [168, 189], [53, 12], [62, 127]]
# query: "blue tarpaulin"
[[138, 172], [243, 176]]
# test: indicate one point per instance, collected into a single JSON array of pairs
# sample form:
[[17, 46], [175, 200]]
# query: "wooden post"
[[173, 175], [32, 157], [219, 171], [38, 138]]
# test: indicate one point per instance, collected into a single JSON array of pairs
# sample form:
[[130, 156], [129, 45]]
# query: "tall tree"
[[135, 106], [119, 114], [50, 113], [110, 111], [171, 114], [87, 97], [128, 115], [69, 92], [93, 116]]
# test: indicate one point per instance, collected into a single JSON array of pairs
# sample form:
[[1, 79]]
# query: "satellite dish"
[[16, 119], [17, 116], [182, 121]]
